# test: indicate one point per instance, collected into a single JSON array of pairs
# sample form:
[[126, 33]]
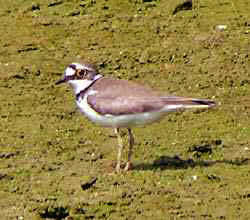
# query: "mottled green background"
[[48, 150]]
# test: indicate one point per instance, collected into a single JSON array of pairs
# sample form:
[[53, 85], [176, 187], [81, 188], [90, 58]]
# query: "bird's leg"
[[130, 150], [120, 147]]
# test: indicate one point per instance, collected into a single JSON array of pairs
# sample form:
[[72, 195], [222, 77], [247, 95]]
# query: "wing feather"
[[118, 97]]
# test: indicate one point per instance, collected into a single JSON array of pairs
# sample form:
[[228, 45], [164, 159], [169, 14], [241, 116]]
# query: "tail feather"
[[203, 102], [174, 103]]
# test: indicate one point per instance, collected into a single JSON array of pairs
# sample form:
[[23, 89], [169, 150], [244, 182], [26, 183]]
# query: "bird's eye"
[[80, 73]]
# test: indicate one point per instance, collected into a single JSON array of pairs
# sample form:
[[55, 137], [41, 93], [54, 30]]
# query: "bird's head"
[[79, 76]]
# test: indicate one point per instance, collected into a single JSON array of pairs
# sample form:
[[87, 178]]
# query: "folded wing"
[[123, 97]]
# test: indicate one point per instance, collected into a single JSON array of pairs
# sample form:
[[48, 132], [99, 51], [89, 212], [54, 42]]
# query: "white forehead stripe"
[[82, 66], [78, 66], [69, 72]]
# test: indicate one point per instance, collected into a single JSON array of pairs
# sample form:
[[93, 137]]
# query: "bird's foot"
[[118, 168], [128, 166]]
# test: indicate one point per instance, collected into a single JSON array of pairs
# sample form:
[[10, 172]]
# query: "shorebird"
[[118, 103]]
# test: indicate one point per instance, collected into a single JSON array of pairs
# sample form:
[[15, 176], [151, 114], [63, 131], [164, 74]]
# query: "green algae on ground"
[[47, 149]]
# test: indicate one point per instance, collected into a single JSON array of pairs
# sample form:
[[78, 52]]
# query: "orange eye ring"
[[78, 73]]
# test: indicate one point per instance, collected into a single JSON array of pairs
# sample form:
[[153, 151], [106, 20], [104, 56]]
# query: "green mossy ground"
[[48, 150]]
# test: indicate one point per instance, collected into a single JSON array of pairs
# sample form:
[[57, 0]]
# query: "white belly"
[[128, 120]]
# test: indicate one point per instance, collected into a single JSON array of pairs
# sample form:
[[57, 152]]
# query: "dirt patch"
[[47, 148]]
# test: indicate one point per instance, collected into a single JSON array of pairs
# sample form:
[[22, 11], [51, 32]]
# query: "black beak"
[[61, 81]]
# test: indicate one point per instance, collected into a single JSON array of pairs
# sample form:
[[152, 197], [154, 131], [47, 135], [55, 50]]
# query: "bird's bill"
[[63, 80]]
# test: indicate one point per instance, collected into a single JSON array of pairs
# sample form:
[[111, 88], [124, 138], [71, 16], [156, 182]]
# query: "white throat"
[[80, 85]]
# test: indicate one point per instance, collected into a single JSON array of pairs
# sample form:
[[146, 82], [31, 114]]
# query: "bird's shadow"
[[175, 162]]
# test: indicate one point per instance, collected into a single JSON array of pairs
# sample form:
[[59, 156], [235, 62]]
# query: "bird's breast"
[[117, 121]]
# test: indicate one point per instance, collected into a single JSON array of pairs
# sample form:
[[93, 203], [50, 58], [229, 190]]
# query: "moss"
[[191, 165]]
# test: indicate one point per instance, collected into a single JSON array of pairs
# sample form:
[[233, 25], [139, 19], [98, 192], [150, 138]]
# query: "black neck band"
[[82, 92]]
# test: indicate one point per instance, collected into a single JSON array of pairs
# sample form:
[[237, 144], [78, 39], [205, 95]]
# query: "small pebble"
[[194, 177], [221, 27]]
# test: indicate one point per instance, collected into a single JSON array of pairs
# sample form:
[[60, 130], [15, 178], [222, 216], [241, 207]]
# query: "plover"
[[118, 103]]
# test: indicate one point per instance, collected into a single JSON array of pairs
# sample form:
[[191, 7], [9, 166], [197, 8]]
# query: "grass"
[[48, 150]]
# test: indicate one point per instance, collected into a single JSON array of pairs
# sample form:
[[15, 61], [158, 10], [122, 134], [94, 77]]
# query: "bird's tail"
[[175, 103], [199, 103]]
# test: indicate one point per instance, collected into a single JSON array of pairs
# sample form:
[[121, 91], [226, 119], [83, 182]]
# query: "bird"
[[118, 103]]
